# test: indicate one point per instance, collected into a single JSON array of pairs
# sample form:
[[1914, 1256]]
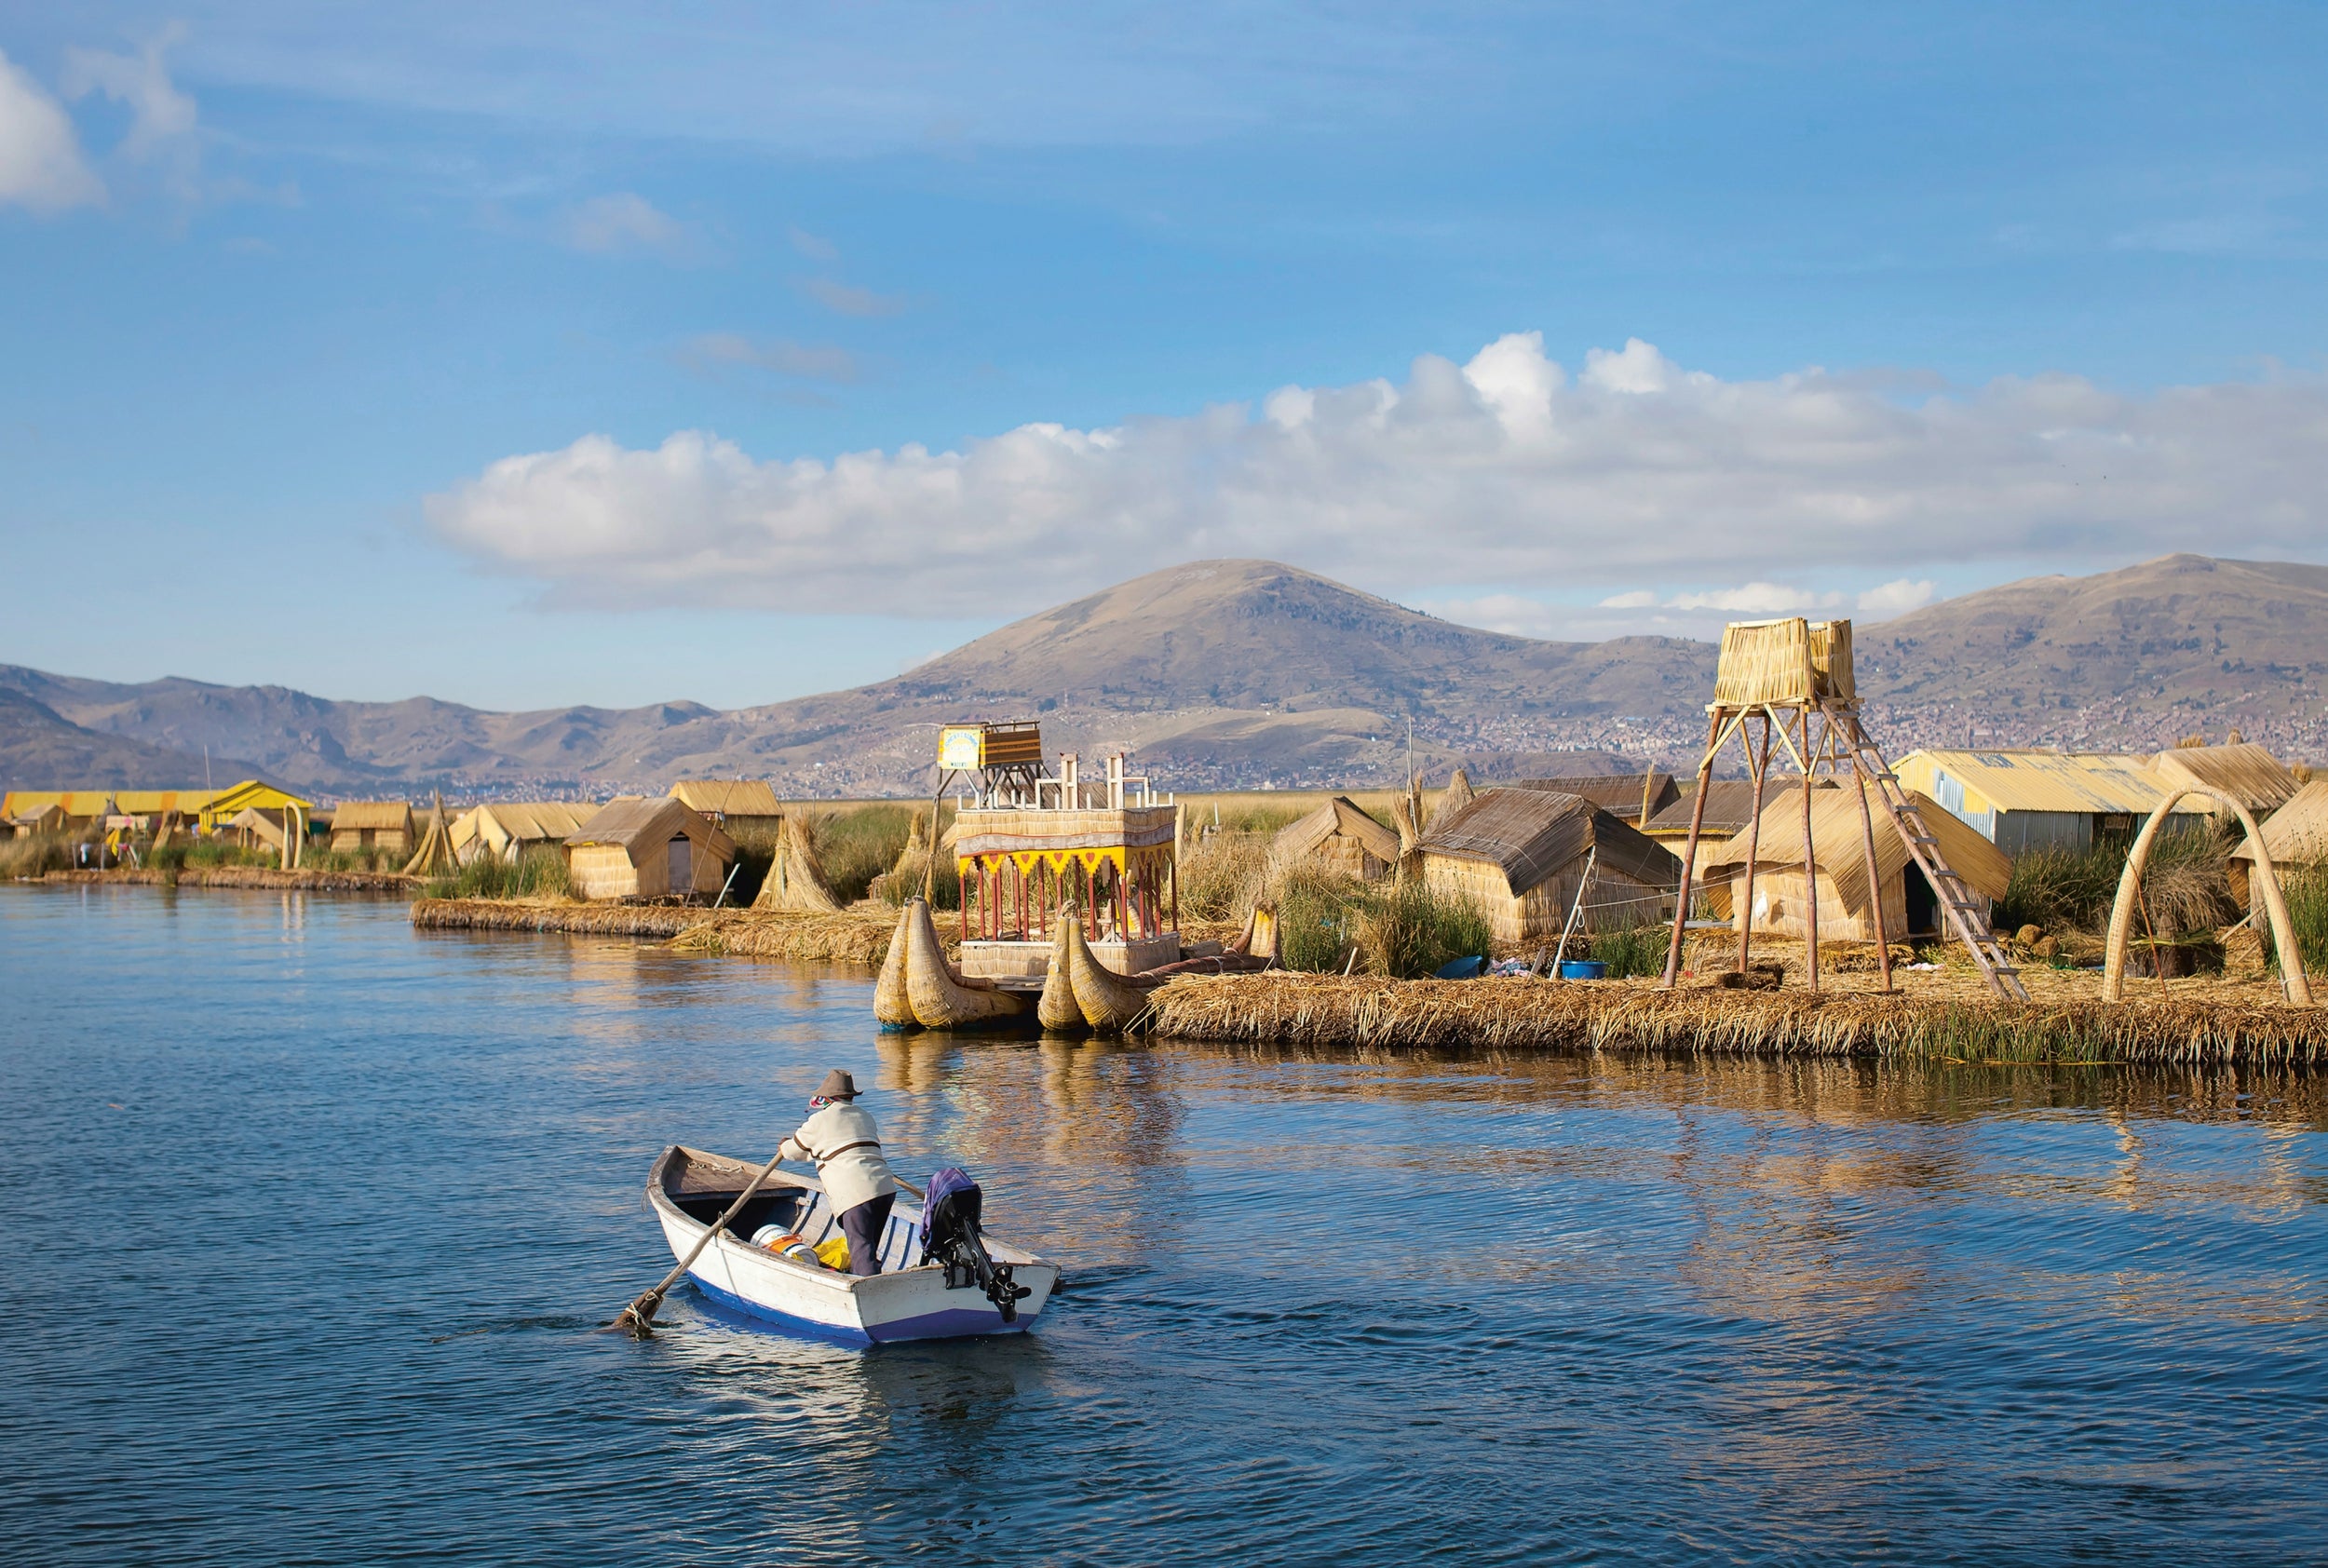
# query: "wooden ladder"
[[1955, 895]]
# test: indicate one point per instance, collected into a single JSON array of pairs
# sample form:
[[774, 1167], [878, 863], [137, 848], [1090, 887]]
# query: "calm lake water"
[[305, 1217]]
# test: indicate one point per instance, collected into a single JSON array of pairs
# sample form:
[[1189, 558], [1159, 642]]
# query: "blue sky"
[[516, 354]]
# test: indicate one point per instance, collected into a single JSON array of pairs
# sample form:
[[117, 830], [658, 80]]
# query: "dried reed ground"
[[2219, 1024]]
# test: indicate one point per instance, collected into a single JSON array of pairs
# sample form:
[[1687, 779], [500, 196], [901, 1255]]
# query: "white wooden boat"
[[909, 1298]]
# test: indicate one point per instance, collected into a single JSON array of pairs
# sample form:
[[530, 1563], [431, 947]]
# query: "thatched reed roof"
[[1729, 806], [1839, 840], [1620, 794], [1533, 834], [351, 815], [728, 797], [530, 819], [2296, 834], [634, 823], [2247, 773], [1339, 817]]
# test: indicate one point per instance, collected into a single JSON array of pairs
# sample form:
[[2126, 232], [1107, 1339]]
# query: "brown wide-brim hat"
[[838, 1086]]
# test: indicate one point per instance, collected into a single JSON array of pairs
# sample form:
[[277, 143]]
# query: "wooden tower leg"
[[1689, 855], [1810, 854], [1759, 764], [1874, 873]]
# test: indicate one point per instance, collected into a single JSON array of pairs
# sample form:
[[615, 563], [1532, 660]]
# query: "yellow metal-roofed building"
[[154, 802], [80, 807], [250, 795], [2021, 801]]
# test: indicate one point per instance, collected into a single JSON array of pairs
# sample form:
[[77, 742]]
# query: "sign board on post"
[[961, 747]]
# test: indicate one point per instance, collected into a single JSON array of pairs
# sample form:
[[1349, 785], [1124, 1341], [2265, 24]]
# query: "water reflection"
[[1356, 1305]]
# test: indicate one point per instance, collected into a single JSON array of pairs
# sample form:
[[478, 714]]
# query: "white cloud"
[[627, 223], [1757, 598], [164, 133], [1504, 471], [847, 299], [1895, 598], [808, 361], [41, 166], [814, 246], [1510, 613]]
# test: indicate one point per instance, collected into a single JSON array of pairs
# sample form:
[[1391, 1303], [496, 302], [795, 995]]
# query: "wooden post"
[[1810, 854], [1874, 874], [1760, 767], [1689, 854]]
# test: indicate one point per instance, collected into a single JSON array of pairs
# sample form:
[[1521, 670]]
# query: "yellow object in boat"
[[834, 1254]]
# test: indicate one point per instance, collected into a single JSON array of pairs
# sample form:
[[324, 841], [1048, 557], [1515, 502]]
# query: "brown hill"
[[1231, 672], [2136, 658], [40, 749]]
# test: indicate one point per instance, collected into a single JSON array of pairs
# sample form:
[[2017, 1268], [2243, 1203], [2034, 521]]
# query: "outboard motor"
[[951, 1237]]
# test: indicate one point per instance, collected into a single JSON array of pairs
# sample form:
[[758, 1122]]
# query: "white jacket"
[[847, 1147]]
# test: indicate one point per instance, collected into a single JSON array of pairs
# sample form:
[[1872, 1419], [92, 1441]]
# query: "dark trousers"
[[863, 1225]]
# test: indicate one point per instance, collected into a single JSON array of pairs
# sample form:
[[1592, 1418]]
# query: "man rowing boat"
[[846, 1146]]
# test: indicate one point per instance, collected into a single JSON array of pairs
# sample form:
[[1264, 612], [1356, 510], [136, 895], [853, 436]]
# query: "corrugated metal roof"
[[2247, 773], [2296, 834], [1532, 834], [2072, 781], [254, 791], [73, 803], [1839, 838], [149, 802]]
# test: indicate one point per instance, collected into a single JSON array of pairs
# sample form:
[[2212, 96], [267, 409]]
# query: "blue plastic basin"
[[1583, 968]]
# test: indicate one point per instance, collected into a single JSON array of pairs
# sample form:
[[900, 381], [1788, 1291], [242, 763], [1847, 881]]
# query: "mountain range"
[[1235, 672]]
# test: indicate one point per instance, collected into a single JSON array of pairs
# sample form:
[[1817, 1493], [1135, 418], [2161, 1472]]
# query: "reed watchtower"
[[1788, 683]]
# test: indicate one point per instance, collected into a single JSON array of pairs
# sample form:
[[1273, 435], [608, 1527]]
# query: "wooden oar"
[[638, 1319]]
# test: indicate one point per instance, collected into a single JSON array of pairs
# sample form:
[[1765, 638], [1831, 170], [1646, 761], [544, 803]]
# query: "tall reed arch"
[[2299, 986]]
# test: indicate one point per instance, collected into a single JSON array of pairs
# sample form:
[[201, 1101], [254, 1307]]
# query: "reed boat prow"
[[689, 1188]]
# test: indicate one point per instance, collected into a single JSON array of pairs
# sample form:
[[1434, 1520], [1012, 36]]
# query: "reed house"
[[648, 848], [2244, 772], [385, 825], [737, 805], [1525, 856], [1342, 838], [2295, 836], [1632, 798], [1839, 838], [1729, 806], [504, 829]]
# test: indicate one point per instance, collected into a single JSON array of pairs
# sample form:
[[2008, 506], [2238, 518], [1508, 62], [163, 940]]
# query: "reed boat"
[[909, 1298]]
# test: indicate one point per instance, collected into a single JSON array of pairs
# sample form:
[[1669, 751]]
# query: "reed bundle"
[[662, 921], [850, 937], [1331, 1010]]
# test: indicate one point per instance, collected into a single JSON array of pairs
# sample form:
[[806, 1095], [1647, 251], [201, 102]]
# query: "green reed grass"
[[2187, 884], [856, 846], [540, 873], [1222, 874], [1632, 949]]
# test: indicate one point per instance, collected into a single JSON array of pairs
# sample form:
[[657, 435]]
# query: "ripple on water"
[[316, 1218]]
